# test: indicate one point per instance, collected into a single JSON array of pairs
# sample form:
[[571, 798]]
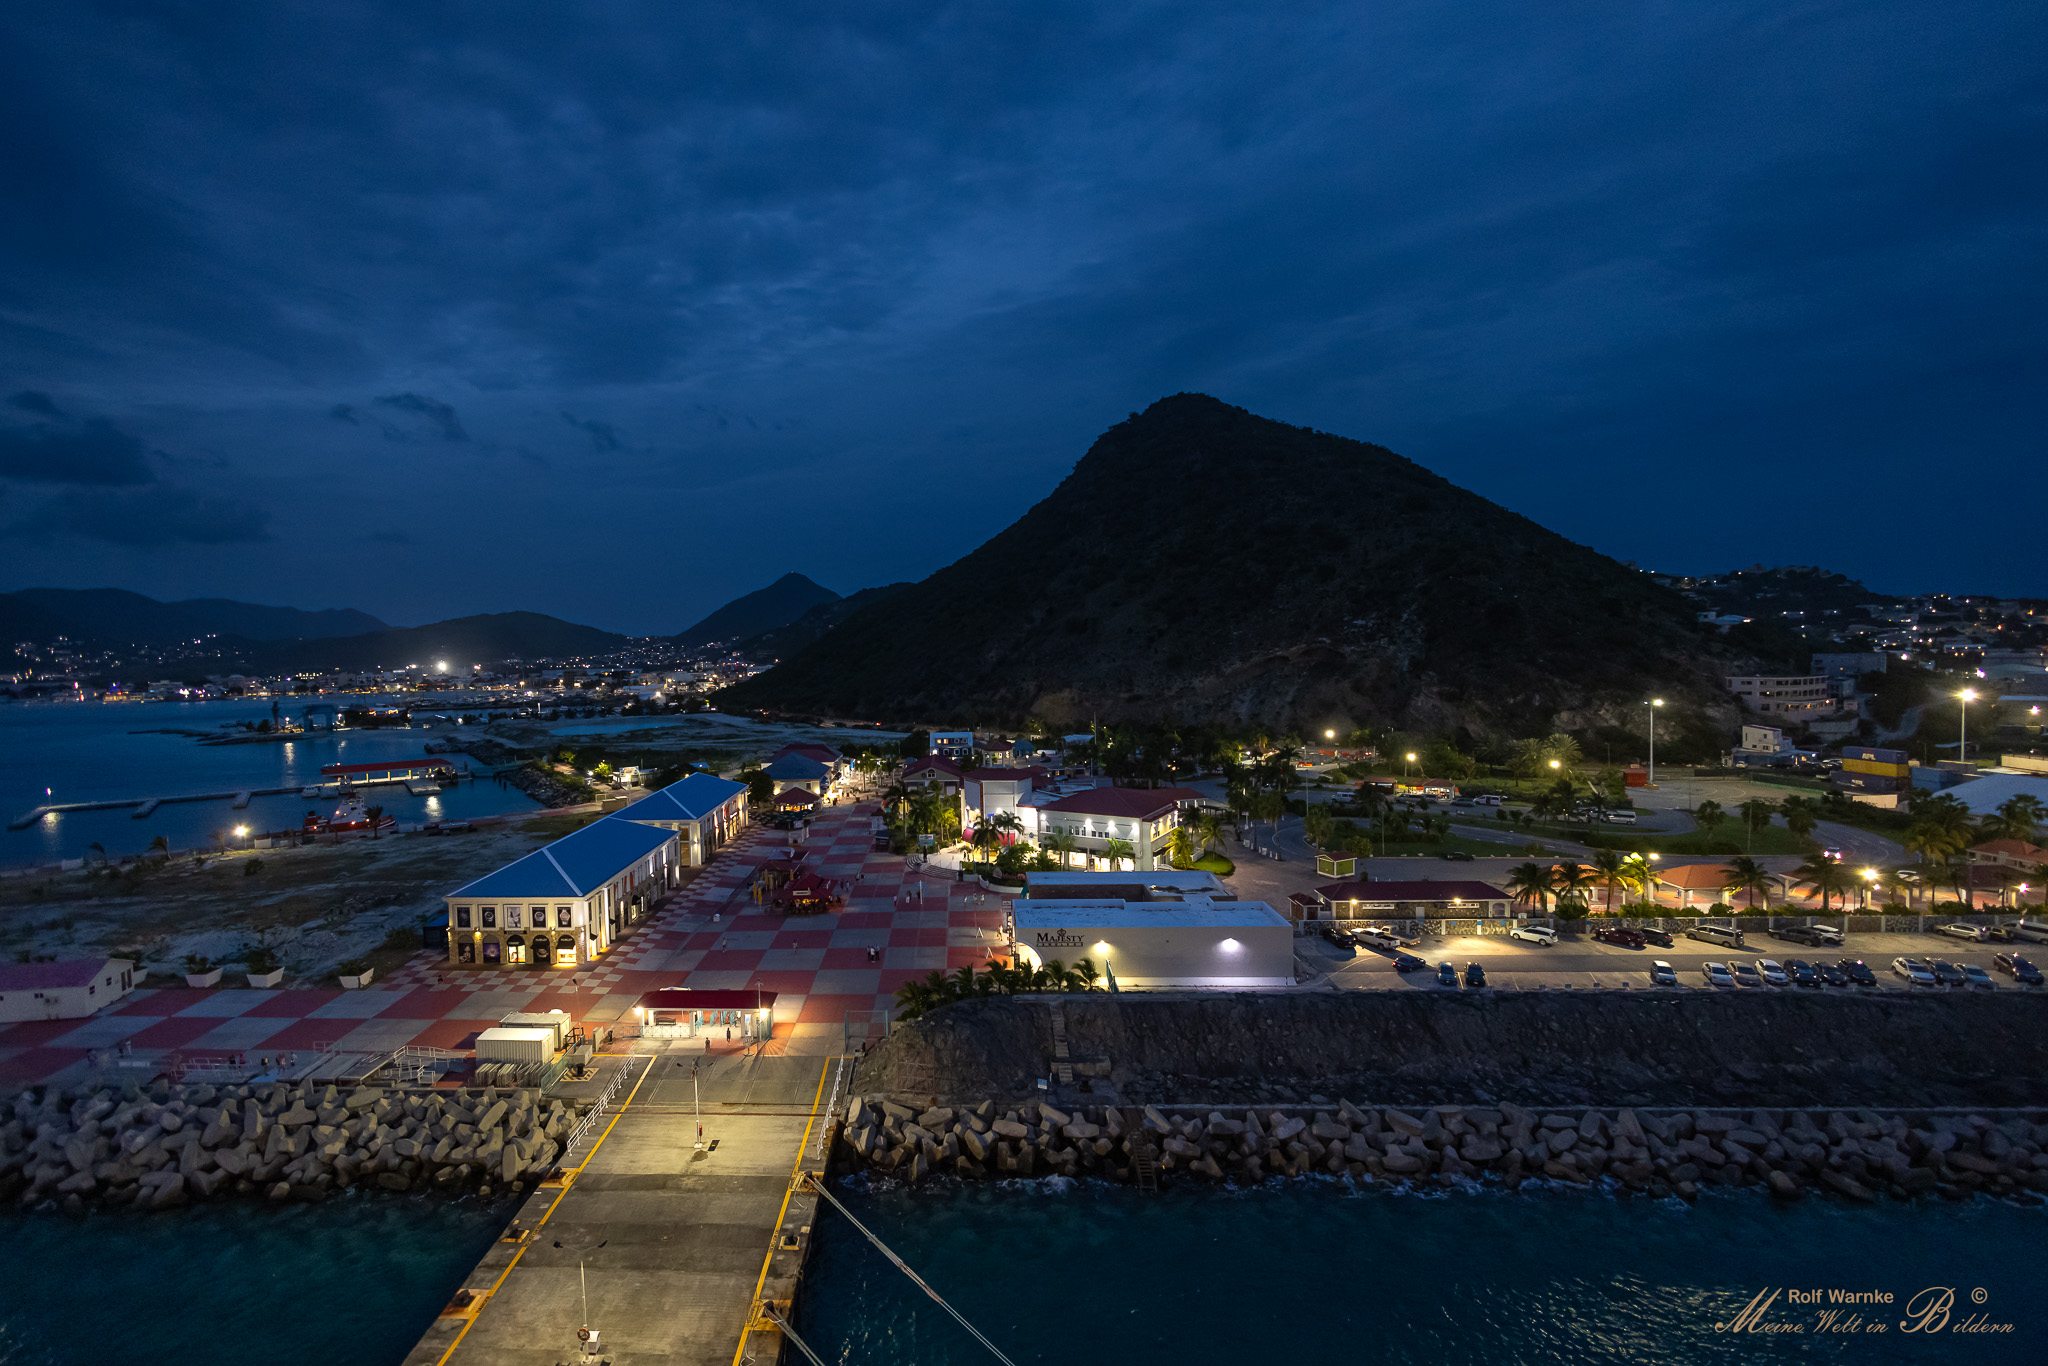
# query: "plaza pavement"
[[707, 935]]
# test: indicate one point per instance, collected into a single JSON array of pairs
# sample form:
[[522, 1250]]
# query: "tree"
[[760, 787], [1180, 847], [1825, 876], [1531, 882], [1800, 816], [373, 814], [1612, 868], [1317, 823], [1115, 851], [2017, 818], [1565, 750], [915, 745], [1709, 814], [1208, 827], [1756, 813], [1061, 845], [1747, 876], [1573, 883]]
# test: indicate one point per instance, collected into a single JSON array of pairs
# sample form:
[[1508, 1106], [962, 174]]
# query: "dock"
[[680, 1247], [402, 772]]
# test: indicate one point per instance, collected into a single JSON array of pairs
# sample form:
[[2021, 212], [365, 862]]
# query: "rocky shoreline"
[[1860, 1155], [163, 1146]]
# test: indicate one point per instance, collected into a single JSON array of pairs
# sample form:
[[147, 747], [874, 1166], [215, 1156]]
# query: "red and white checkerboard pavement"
[[708, 935]]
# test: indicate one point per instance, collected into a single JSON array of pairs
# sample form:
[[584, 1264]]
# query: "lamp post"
[[1407, 762], [1653, 704], [1966, 697], [1870, 876]]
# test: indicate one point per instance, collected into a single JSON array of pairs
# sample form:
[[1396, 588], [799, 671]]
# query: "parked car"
[[1976, 977], [1909, 875], [1717, 974], [1340, 936], [2017, 967], [1802, 973], [1832, 854], [1914, 971], [1447, 974], [1475, 976], [1662, 974], [1858, 972], [1624, 816], [1817, 936], [1455, 856], [1771, 971], [1408, 962], [1947, 974], [1657, 937], [1833, 975], [1716, 934], [1976, 934], [1745, 975], [1379, 936], [1533, 934], [1620, 935]]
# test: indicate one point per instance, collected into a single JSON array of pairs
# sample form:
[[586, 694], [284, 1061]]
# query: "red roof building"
[[1124, 803]]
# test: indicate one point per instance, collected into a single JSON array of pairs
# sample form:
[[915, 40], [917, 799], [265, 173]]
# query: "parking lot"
[[1580, 963]]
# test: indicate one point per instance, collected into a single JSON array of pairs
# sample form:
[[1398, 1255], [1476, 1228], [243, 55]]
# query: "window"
[[490, 915], [515, 949], [462, 917], [563, 918]]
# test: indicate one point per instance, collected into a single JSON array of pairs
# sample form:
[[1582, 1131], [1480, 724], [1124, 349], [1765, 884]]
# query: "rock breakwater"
[[1857, 1155], [162, 1146]]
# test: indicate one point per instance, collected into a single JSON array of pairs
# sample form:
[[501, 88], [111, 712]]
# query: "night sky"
[[430, 309]]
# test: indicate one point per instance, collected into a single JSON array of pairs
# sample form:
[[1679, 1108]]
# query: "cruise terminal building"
[[1197, 942]]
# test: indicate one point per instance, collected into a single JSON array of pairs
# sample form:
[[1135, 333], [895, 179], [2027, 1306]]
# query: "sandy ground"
[[314, 906]]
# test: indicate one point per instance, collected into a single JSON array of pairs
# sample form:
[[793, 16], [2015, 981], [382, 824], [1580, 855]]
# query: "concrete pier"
[[678, 1246]]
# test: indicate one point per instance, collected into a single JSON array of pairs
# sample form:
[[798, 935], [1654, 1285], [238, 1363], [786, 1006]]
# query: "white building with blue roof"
[[565, 904], [703, 809]]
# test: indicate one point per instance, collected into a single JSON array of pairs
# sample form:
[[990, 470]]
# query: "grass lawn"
[[1213, 862]]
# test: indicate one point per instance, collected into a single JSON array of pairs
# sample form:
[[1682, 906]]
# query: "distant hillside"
[[811, 627], [113, 617], [463, 641], [764, 609], [1203, 563]]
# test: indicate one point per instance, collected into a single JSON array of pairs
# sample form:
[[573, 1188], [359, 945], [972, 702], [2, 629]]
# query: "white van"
[[2036, 930], [1716, 934], [1624, 816]]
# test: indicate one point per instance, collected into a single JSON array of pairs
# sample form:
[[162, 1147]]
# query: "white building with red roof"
[[69, 990], [1144, 817]]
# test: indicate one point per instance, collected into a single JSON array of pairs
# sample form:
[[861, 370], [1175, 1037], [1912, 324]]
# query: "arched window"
[[515, 948], [542, 951]]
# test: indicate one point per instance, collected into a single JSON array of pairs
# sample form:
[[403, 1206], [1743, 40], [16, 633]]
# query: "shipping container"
[[503, 1044]]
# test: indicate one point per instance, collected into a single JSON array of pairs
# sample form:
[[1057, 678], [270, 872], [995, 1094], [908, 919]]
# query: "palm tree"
[[1316, 823], [1005, 823], [1800, 817], [1180, 847], [1061, 844], [2017, 818], [1086, 970], [1531, 882], [1826, 876], [1611, 868], [1573, 883], [1747, 876], [1756, 813], [1115, 851], [1208, 827], [373, 814]]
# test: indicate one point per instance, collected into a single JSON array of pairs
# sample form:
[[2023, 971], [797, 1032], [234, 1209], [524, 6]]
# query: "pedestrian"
[[707, 1043], [728, 1033]]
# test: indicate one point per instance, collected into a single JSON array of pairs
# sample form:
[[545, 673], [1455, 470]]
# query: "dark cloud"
[[89, 452], [159, 518], [34, 401], [906, 260], [603, 436], [437, 415]]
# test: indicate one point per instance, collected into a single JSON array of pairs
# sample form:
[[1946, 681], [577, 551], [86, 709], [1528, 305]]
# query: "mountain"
[[764, 609], [462, 641], [1201, 563], [113, 617], [811, 626]]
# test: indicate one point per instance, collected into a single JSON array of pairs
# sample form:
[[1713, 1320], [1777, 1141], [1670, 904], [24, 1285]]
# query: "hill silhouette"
[[764, 609], [1202, 563]]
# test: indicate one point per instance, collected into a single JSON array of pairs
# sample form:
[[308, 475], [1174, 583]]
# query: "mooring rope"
[[904, 1267], [790, 1333]]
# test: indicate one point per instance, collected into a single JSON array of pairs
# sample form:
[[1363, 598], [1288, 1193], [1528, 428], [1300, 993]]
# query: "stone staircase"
[[1062, 1061]]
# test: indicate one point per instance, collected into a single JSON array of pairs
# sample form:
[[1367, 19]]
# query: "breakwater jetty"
[[1857, 1155], [162, 1146]]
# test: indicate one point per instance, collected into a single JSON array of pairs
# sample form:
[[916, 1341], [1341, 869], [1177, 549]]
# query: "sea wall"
[[1770, 1048], [1858, 1156], [163, 1146]]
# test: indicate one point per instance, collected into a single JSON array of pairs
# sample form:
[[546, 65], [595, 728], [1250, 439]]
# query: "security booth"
[[680, 1013]]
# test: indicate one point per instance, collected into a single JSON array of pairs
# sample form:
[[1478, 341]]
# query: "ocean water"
[[351, 1282], [90, 751], [1324, 1271]]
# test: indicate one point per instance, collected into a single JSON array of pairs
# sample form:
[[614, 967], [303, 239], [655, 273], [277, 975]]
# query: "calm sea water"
[[94, 751], [352, 1282], [1313, 1271]]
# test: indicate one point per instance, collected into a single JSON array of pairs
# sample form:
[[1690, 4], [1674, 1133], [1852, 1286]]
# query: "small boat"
[[352, 815], [310, 791]]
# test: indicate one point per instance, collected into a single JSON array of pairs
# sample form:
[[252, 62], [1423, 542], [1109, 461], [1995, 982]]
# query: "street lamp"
[[1653, 704], [1329, 732], [1870, 876], [1407, 762], [1966, 697]]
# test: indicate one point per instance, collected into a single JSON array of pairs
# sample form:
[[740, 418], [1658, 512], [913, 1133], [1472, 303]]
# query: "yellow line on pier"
[[773, 1238]]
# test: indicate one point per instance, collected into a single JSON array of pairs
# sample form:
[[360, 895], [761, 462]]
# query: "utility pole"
[[697, 1100]]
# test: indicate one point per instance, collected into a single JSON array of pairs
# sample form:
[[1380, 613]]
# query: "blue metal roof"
[[575, 865], [796, 766], [691, 799]]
